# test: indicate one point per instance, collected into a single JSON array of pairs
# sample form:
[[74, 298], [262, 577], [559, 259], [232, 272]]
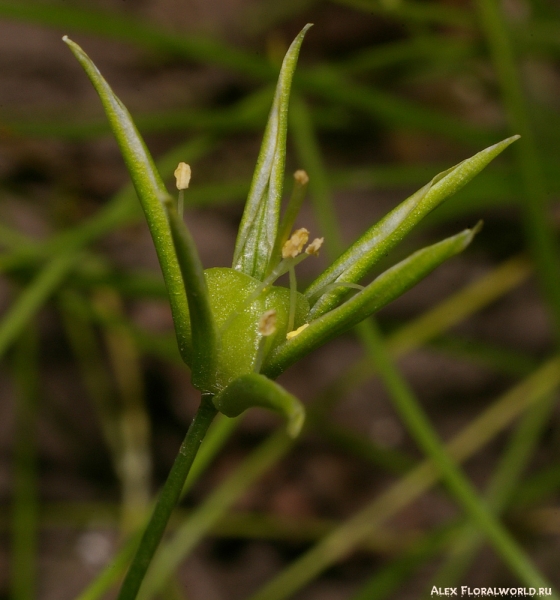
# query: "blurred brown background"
[[59, 166]]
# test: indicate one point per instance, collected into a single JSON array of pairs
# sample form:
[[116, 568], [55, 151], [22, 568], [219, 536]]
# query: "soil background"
[[50, 183]]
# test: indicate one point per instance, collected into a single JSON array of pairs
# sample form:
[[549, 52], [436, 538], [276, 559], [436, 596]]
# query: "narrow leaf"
[[150, 189], [203, 328], [253, 390], [390, 230], [259, 224], [382, 290]]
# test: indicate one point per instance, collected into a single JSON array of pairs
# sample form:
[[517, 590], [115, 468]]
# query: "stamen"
[[295, 244], [315, 246], [267, 328], [182, 176], [267, 323], [292, 334], [182, 180], [301, 177], [292, 256]]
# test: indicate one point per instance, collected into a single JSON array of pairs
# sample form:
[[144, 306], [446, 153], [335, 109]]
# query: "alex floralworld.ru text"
[[490, 591]]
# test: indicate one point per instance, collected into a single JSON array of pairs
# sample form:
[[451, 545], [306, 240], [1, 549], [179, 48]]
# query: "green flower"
[[237, 330]]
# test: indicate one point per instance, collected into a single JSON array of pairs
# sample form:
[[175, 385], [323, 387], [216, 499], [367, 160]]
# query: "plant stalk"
[[168, 499]]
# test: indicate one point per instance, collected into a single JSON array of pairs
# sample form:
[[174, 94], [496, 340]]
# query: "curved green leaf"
[[253, 390], [382, 290], [259, 224], [390, 230], [149, 187]]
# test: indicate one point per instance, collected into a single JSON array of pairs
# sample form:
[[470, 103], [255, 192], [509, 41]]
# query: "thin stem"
[[218, 433], [168, 499], [215, 439], [181, 204], [221, 500]]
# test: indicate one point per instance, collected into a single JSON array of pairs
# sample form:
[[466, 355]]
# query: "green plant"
[[235, 329]]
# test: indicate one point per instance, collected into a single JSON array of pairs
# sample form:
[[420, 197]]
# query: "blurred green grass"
[[416, 77]]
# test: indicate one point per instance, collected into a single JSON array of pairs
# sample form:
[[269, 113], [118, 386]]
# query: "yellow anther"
[[292, 334], [267, 323], [314, 247], [301, 177], [182, 176], [295, 244]]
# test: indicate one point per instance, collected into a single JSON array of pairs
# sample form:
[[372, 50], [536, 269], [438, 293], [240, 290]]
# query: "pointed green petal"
[[385, 288], [150, 189], [385, 234], [259, 224], [203, 328], [253, 390]]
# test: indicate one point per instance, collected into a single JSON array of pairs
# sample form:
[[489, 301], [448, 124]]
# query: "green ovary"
[[237, 318]]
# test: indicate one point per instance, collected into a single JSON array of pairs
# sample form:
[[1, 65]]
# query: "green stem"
[[218, 433], [168, 499], [217, 505]]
